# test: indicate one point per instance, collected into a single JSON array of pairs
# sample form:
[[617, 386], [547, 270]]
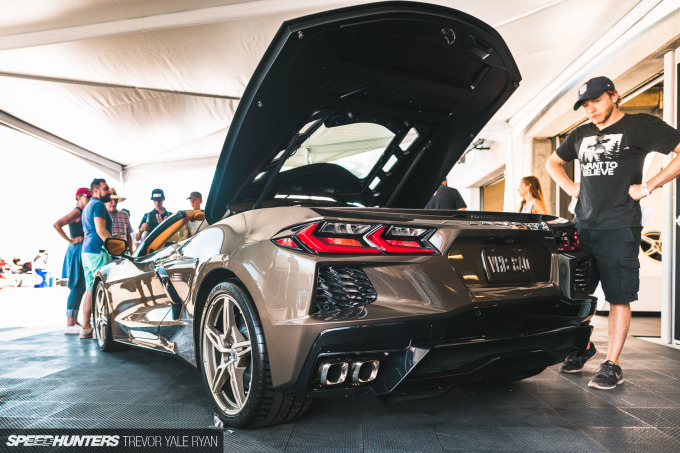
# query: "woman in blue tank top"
[[73, 265]]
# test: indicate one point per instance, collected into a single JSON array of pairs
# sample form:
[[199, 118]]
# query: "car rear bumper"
[[421, 355]]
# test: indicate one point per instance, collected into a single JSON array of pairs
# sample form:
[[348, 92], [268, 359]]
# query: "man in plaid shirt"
[[121, 220]]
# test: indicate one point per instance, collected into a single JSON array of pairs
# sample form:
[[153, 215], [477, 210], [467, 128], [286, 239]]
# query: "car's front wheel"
[[102, 321], [235, 366]]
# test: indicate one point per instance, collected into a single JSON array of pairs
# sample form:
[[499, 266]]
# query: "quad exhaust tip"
[[337, 372]]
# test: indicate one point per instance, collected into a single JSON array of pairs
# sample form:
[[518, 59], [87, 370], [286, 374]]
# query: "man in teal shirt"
[[97, 226]]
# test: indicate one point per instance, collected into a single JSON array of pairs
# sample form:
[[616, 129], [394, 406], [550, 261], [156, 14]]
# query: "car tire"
[[235, 365], [102, 321]]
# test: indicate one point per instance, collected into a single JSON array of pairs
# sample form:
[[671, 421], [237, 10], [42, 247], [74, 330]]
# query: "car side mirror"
[[116, 247]]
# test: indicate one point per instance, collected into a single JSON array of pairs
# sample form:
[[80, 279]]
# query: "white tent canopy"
[[127, 85]]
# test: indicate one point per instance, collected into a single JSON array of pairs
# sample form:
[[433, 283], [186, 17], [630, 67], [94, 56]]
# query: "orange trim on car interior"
[[159, 242]]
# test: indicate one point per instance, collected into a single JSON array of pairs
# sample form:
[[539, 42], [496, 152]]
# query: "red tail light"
[[287, 242], [355, 238], [320, 244], [568, 241], [396, 245]]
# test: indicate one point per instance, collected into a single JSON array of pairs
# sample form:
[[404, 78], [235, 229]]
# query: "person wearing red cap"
[[611, 151], [73, 265]]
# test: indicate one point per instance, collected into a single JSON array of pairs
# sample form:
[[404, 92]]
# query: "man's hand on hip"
[[573, 189], [635, 192]]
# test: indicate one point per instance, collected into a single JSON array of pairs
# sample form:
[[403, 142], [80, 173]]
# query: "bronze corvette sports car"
[[315, 270]]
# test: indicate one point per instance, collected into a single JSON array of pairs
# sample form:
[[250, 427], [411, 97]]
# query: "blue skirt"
[[73, 265]]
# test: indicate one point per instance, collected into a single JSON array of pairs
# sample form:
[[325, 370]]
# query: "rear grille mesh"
[[338, 288], [581, 275]]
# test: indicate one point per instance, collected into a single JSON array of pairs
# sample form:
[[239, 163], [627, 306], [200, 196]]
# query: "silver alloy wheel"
[[227, 357], [651, 244], [101, 320]]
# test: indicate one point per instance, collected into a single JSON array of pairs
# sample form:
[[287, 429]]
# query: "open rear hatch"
[[418, 80]]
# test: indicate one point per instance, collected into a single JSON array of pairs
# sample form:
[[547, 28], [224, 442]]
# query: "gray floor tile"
[[572, 398], [15, 422], [401, 438], [31, 409], [474, 438], [600, 417], [673, 432], [633, 440], [633, 395], [530, 417], [659, 417], [552, 439], [329, 435], [92, 411], [271, 439]]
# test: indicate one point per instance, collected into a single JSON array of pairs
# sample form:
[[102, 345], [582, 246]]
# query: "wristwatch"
[[644, 190]]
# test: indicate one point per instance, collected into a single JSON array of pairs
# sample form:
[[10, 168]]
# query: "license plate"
[[507, 265]]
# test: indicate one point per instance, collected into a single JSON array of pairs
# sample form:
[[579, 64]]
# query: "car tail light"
[[287, 242], [567, 240], [358, 238], [399, 240], [331, 244]]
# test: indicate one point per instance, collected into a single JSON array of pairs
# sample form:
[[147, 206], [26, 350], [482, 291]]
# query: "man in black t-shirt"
[[153, 218], [611, 151], [446, 198]]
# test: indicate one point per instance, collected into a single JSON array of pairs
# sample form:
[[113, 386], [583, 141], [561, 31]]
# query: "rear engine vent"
[[581, 275], [338, 288]]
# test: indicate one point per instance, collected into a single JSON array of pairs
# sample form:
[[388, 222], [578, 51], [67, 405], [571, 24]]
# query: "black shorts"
[[617, 266]]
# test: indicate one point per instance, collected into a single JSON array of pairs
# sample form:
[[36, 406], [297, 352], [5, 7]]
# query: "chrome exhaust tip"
[[333, 373], [364, 370]]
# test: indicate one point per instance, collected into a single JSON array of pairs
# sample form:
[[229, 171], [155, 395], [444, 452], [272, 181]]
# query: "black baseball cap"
[[593, 89], [157, 194]]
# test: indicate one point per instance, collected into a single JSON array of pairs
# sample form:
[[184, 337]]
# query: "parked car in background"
[[316, 271]]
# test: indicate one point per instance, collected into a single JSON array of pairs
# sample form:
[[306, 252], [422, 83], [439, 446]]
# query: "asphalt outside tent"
[[143, 93]]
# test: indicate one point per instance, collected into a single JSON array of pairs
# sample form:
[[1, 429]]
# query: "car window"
[[356, 147]]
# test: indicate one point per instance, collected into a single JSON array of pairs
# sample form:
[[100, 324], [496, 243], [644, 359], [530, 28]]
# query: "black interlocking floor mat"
[[52, 380]]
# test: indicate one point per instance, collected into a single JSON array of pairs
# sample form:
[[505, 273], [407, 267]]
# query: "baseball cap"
[[195, 195], [83, 191], [157, 194], [593, 89], [114, 196]]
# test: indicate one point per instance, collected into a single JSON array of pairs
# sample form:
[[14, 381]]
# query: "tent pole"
[[107, 166]]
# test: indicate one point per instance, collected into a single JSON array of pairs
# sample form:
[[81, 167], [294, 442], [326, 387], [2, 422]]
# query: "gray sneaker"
[[574, 362], [607, 377]]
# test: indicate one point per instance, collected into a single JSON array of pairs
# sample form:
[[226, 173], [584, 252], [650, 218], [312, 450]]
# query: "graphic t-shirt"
[[92, 243], [150, 218], [611, 161]]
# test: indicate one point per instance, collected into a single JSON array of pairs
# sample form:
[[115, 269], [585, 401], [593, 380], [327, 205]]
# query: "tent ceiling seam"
[[41, 134], [203, 16], [114, 85]]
